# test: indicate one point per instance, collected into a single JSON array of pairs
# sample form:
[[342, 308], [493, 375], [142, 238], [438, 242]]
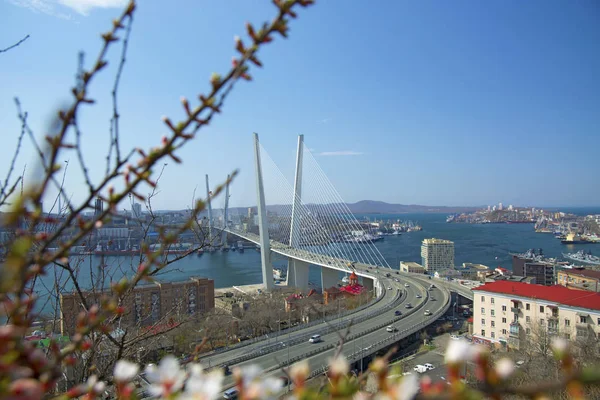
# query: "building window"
[[582, 319], [492, 311], [503, 320], [155, 313], [527, 319], [483, 332], [492, 300], [542, 321], [567, 322], [527, 306], [483, 299], [504, 308], [527, 331], [493, 324], [567, 336], [482, 311], [191, 301], [598, 321], [504, 331], [483, 321], [541, 308], [493, 335]]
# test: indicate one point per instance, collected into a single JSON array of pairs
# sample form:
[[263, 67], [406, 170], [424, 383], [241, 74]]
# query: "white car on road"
[[420, 369], [427, 312]]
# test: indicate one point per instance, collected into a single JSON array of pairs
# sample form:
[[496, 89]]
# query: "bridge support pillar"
[[263, 227], [300, 271], [329, 277], [290, 279]]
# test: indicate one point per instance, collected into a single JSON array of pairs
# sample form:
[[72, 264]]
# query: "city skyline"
[[415, 104]]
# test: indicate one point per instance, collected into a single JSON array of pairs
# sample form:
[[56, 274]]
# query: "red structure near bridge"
[[353, 288]]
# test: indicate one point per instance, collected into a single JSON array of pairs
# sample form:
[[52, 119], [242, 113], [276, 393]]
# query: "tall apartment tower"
[[136, 210], [437, 255], [98, 206]]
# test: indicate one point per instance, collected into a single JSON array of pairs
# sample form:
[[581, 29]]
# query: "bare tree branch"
[[14, 45]]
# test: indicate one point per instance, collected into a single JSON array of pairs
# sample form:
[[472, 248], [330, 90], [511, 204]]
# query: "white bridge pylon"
[[307, 222]]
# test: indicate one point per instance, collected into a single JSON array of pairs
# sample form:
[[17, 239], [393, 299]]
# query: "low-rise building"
[[480, 271], [512, 278], [147, 304], [412, 267], [536, 265], [509, 313], [353, 288], [579, 278], [449, 273]]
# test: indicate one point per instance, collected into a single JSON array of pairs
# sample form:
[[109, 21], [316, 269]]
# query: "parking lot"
[[434, 357]]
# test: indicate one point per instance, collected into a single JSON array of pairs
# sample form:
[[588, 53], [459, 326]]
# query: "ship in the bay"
[[279, 274], [573, 238], [583, 256]]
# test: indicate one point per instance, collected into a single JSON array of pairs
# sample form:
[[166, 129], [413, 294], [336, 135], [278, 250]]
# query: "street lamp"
[[288, 347]]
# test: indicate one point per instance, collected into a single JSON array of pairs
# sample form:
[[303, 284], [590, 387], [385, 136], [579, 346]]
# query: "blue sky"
[[438, 103]]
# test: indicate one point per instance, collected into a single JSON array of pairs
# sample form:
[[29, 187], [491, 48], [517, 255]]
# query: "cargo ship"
[[573, 238]]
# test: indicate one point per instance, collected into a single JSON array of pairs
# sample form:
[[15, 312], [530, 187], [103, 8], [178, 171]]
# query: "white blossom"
[[559, 345], [461, 351], [248, 373], [95, 386], [256, 386], [504, 368], [407, 388], [203, 386], [167, 378], [300, 370], [125, 371], [265, 388], [339, 365]]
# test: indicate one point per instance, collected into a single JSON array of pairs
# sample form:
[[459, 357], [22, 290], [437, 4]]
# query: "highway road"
[[375, 335], [390, 298]]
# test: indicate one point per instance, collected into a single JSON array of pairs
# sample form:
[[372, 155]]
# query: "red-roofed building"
[[353, 288], [507, 312], [292, 300]]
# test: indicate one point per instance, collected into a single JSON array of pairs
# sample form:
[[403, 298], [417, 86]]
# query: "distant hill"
[[381, 207], [370, 207]]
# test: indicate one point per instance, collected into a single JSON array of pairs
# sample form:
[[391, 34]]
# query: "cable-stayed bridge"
[[306, 221]]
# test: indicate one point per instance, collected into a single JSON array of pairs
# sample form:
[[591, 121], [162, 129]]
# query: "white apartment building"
[[507, 312], [437, 254]]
